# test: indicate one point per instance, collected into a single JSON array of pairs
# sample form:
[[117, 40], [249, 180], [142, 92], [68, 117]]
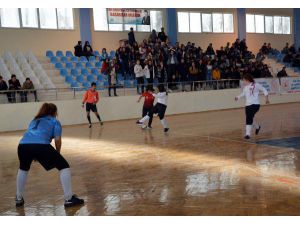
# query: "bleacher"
[[79, 72]]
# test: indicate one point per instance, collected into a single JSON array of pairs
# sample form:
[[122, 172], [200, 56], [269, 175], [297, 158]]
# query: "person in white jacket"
[[251, 92], [139, 75], [159, 109]]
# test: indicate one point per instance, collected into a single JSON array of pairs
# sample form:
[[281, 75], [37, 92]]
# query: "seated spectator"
[[78, 49], [282, 73], [14, 84], [104, 54], [28, 87], [105, 67], [292, 49], [3, 86], [285, 50], [288, 58], [264, 49], [162, 35], [260, 56], [88, 50]]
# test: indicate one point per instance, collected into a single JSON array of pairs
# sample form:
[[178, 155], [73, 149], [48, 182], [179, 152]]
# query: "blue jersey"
[[42, 131]]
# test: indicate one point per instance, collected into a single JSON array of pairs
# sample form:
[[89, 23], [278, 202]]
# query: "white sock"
[[21, 181], [144, 119], [65, 179], [164, 123], [248, 130]]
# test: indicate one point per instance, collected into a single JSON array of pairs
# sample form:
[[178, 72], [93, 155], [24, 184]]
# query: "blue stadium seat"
[[49, 54], [74, 84], [54, 60], [88, 65], [120, 76], [98, 64], [96, 53], [95, 71], [69, 79], [92, 59], [128, 84], [58, 65], [64, 72], [79, 65], [74, 59], [297, 69], [69, 65], [106, 84], [84, 71], [100, 85], [74, 72], [100, 78], [86, 85], [59, 53], [64, 59], [83, 59], [91, 78], [80, 79], [69, 54]]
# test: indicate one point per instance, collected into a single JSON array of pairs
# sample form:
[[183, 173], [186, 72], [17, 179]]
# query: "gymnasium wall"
[[203, 39], [255, 41], [17, 116], [39, 40]]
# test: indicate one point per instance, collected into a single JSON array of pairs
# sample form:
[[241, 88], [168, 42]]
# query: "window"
[[206, 22], [269, 24], [286, 25], [10, 17], [65, 18], [183, 22], [277, 25], [217, 22], [228, 23], [250, 23], [29, 17], [48, 18], [259, 24], [195, 22], [101, 22]]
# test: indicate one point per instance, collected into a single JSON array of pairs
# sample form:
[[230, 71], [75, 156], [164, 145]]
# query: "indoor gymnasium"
[[149, 111]]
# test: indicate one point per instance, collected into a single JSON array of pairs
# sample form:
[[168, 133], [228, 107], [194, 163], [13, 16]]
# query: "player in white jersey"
[[251, 92], [159, 108]]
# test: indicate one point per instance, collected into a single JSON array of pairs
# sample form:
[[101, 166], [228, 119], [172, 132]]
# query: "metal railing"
[[16, 96]]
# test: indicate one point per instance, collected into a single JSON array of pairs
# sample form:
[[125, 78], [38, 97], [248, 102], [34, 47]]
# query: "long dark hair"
[[248, 77], [47, 109]]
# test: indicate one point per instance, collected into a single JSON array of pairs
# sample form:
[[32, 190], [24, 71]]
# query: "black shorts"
[[160, 110], [45, 154], [147, 111], [250, 111], [90, 107]]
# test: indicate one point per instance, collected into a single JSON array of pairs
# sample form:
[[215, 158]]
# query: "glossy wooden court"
[[201, 167]]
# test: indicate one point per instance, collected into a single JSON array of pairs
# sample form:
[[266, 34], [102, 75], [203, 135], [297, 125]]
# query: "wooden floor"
[[202, 167]]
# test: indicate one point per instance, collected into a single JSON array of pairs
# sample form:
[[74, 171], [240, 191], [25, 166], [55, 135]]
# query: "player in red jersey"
[[148, 104]]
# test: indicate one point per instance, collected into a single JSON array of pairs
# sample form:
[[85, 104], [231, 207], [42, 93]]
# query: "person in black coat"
[[131, 37], [3, 86], [87, 50], [14, 84], [78, 49], [162, 35]]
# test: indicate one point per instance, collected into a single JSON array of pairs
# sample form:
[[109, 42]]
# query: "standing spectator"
[[139, 75], [153, 36], [285, 50], [193, 74], [14, 84], [160, 74], [28, 85], [172, 64], [112, 78], [78, 49], [210, 50], [3, 86], [104, 54], [216, 75], [105, 67], [162, 35], [183, 73], [149, 72], [88, 50], [131, 37]]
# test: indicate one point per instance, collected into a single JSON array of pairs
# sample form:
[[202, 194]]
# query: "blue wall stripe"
[[85, 25]]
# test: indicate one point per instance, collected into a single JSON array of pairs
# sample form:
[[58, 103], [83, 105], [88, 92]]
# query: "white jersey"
[[161, 97], [251, 93]]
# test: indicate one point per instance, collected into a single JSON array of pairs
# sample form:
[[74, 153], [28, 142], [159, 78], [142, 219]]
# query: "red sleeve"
[[85, 97]]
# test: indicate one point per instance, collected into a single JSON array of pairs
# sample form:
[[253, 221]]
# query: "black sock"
[[89, 119], [98, 117]]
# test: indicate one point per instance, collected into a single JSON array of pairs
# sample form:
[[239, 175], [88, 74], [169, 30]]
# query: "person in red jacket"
[[148, 105], [90, 99]]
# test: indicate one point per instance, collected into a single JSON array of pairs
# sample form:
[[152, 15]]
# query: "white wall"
[[17, 116]]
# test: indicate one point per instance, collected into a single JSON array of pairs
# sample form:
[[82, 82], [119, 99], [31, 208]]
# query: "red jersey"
[[149, 100], [91, 96]]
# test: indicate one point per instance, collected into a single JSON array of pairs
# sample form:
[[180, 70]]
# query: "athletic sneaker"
[[257, 130], [139, 123], [166, 130], [90, 125], [149, 127], [144, 126], [19, 203], [101, 123], [247, 137], [74, 201]]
